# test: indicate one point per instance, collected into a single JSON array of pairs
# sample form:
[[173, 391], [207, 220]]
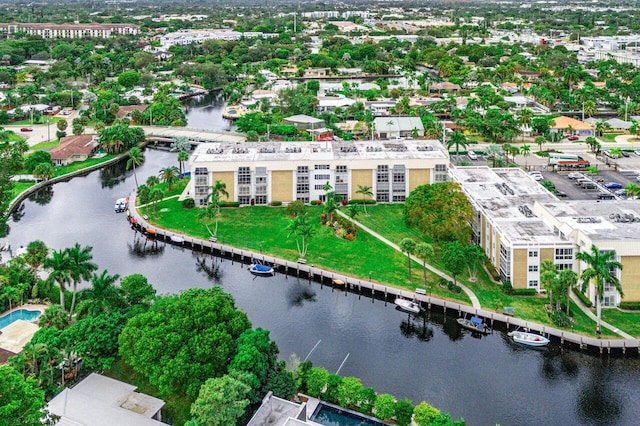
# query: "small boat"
[[175, 239], [121, 205], [407, 305], [260, 269], [529, 339], [474, 324], [337, 282]]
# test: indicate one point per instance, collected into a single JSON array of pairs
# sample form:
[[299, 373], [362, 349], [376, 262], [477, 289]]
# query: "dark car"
[[606, 196], [613, 185], [26, 129], [561, 194], [573, 138], [625, 154]]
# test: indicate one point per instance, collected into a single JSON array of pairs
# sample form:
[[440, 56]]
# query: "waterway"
[[205, 112], [486, 381]]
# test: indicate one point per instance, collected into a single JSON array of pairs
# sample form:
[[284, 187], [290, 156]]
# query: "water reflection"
[[205, 112], [212, 270], [42, 196], [598, 402], [18, 213], [114, 174], [559, 365], [143, 246], [299, 293], [417, 326]]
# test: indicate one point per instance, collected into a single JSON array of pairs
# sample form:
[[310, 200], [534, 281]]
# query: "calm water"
[[205, 112], [486, 381]]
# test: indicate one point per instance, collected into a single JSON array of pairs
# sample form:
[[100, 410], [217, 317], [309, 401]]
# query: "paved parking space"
[[575, 192]]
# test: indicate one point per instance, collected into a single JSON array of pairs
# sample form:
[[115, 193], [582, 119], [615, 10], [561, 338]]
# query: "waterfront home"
[[330, 103], [568, 126], [304, 122], [398, 127], [73, 148]]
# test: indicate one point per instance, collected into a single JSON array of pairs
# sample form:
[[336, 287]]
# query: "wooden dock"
[[499, 321]]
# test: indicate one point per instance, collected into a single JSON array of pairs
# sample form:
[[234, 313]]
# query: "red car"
[[573, 138], [26, 129]]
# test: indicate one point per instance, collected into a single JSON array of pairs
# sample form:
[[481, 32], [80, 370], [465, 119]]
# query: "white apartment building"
[[53, 31], [182, 38]]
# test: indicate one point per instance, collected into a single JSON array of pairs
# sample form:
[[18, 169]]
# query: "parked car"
[[536, 176], [611, 155], [625, 154], [637, 152], [621, 192], [575, 175], [472, 155], [606, 196], [26, 129], [613, 185], [561, 194], [573, 138]]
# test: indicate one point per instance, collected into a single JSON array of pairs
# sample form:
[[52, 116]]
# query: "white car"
[[472, 155], [536, 175], [575, 175]]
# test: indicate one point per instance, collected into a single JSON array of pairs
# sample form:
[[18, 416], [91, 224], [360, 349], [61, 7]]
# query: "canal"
[[486, 381], [205, 112]]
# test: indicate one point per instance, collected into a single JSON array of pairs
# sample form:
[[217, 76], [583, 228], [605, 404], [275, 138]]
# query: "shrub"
[[424, 414], [583, 298], [561, 319], [524, 291], [276, 203], [229, 204], [294, 208], [188, 203], [362, 201], [491, 269], [454, 287], [349, 237], [314, 202], [507, 288], [632, 306], [443, 282]]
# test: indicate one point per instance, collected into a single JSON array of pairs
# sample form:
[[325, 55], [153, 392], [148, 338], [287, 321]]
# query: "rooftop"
[[276, 411], [319, 151]]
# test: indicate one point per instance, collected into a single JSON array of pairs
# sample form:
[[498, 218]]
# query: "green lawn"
[[43, 120], [45, 146], [609, 137], [625, 321], [79, 165], [262, 229], [19, 187], [14, 137]]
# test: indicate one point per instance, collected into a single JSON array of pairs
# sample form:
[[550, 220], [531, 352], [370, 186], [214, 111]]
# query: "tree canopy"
[[441, 211], [21, 401]]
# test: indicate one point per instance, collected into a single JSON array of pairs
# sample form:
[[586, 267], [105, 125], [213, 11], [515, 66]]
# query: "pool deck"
[[17, 334]]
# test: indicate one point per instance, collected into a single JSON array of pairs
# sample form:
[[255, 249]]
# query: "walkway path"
[[590, 314], [474, 300]]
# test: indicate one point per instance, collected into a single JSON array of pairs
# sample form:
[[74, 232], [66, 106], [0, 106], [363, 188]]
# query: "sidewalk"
[[474, 300], [604, 324]]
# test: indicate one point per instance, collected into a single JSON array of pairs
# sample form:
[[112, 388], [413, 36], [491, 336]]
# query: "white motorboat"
[[121, 205], [407, 305], [475, 324], [529, 339], [260, 269], [176, 239]]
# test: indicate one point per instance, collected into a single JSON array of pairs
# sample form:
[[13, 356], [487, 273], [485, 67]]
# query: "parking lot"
[[568, 186]]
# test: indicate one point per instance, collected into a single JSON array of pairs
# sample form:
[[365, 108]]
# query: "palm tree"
[[365, 191], [37, 251], [80, 268], [632, 189], [44, 171], [54, 317], [589, 108], [152, 181], [135, 159], [155, 196], [353, 211], [601, 271], [408, 246], [425, 252], [102, 297], [524, 119], [301, 228], [566, 280], [540, 140], [218, 189], [525, 150], [457, 139], [58, 263], [169, 175], [548, 274], [182, 157], [210, 213]]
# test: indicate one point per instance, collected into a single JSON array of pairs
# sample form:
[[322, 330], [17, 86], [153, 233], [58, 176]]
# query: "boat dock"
[[495, 320]]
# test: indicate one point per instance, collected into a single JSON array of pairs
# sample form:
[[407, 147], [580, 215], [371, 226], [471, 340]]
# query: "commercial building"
[[260, 173], [185, 37], [518, 224], [48, 30]]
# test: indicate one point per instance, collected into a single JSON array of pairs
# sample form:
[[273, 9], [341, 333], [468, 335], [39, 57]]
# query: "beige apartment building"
[[260, 173], [53, 31], [519, 224]]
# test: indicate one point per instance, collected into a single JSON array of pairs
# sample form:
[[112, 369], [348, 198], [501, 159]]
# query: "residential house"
[[521, 102], [568, 126], [444, 87], [380, 107], [398, 127], [73, 148], [618, 125], [316, 72], [99, 400], [126, 111], [305, 122], [330, 103], [527, 75]]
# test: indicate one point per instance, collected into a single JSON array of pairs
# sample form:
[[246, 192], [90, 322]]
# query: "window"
[[382, 197], [261, 179], [441, 167], [318, 187], [398, 177], [399, 198], [244, 199], [303, 169], [533, 268], [533, 253], [302, 187], [261, 199], [202, 171], [322, 177], [244, 175], [322, 167], [341, 169], [561, 266], [303, 199], [564, 254], [383, 174], [533, 283], [244, 190]]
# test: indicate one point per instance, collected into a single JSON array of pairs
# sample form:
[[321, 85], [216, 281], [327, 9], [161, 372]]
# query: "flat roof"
[[318, 151], [275, 411]]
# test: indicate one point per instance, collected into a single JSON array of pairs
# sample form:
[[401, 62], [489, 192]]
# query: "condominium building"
[[518, 224], [185, 37], [260, 173], [53, 31]]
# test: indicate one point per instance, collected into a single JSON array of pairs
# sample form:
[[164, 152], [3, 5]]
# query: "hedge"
[[362, 201], [276, 203], [524, 292], [631, 306], [583, 298], [229, 204]]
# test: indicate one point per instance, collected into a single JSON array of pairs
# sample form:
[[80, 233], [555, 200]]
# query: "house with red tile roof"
[[74, 148]]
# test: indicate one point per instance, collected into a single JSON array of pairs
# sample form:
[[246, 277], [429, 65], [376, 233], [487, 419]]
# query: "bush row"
[[632, 306], [524, 292], [583, 298]]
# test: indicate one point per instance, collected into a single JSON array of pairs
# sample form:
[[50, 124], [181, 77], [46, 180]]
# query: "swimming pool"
[[20, 314], [331, 415]]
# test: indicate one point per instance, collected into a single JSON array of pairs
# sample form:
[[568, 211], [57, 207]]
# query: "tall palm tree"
[[102, 297], [408, 246], [58, 263], [548, 274], [303, 231], [135, 159], [425, 252], [182, 157], [80, 268], [457, 139], [169, 175], [365, 191], [525, 150], [219, 189], [155, 196], [601, 270]]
